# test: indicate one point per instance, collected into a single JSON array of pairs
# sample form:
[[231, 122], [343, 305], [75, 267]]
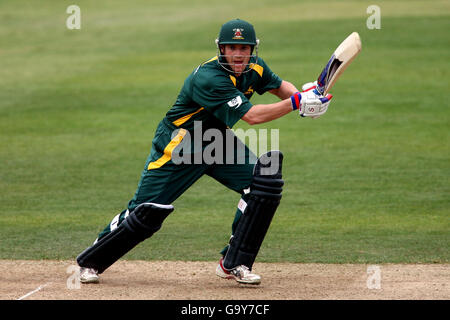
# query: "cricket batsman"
[[214, 96]]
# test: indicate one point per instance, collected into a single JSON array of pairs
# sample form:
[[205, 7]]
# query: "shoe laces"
[[90, 271], [241, 271]]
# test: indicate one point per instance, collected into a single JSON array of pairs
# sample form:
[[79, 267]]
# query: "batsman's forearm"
[[261, 113], [285, 90]]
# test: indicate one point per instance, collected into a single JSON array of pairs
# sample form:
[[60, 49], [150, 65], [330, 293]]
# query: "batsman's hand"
[[309, 103]]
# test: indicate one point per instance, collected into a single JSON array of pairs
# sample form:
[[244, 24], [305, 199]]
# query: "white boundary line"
[[32, 292]]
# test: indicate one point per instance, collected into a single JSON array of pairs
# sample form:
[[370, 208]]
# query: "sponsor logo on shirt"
[[235, 102]]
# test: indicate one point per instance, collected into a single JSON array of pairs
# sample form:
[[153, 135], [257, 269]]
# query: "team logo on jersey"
[[238, 33], [235, 102]]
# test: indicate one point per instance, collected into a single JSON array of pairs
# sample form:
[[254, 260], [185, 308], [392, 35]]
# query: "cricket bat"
[[339, 61]]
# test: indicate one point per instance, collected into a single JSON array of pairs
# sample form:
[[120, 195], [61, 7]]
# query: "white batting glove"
[[310, 104]]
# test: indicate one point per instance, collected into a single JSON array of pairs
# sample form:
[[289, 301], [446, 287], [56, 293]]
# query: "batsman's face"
[[237, 56]]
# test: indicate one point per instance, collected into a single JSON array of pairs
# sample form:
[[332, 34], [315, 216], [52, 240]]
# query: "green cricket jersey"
[[211, 97], [218, 98]]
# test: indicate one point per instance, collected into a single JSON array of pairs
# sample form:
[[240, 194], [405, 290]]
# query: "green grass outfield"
[[366, 183]]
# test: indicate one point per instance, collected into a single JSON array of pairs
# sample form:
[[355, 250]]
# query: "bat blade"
[[339, 61]]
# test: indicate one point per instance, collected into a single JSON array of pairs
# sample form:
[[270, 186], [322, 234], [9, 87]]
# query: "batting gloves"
[[310, 103]]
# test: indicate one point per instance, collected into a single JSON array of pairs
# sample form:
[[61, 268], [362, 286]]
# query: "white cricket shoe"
[[88, 275], [241, 274]]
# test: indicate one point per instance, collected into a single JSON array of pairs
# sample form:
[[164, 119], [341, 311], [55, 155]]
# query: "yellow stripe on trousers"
[[168, 151]]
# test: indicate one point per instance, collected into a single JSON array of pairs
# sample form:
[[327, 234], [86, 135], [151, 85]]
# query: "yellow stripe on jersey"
[[212, 59], [257, 68], [233, 79], [168, 151], [182, 120]]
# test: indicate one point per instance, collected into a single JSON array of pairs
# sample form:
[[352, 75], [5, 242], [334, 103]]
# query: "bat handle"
[[320, 89]]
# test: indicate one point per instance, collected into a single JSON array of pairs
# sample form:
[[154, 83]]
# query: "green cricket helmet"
[[237, 31]]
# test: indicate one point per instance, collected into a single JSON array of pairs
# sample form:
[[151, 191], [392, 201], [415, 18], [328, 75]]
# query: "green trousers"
[[163, 181]]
